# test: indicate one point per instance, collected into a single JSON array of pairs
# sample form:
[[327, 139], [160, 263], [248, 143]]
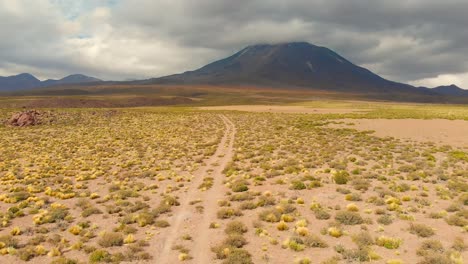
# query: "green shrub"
[[240, 186], [389, 242], [341, 177], [99, 255], [297, 185], [349, 218]]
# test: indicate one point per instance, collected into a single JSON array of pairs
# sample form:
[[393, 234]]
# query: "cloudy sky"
[[423, 42]]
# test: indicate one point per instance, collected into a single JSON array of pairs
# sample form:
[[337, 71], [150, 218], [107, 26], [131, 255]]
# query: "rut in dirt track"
[[201, 250]]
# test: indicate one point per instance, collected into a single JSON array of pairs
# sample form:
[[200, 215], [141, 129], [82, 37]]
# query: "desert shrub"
[[161, 223], [314, 184], [355, 255], [297, 185], [303, 261], [456, 220], [421, 230], [9, 241], [238, 256], [343, 190], [363, 239], [430, 246], [240, 186], [248, 205], [111, 239], [459, 244], [145, 218], [63, 260], [353, 197], [352, 207], [349, 218], [226, 213], [235, 240], [389, 242], [90, 211], [334, 232], [207, 183], [322, 214], [243, 196], [270, 215], [266, 200], [294, 243], [282, 226], [302, 231], [314, 241], [26, 253], [385, 219], [341, 177], [235, 227], [99, 255], [54, 214], [361, 184], [436, 258]]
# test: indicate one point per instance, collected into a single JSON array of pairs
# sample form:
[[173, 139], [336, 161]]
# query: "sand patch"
[[282, 109], [450, 132]]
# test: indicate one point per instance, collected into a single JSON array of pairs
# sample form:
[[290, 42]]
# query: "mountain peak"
[[79, 78], [451, 90], [25, 76]]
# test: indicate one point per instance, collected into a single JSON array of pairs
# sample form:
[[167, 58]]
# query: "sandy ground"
[[441, 131], [282, 109]]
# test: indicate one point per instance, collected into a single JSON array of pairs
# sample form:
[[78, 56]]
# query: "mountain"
[[22, 81], [450, 90], [26, 81], [71, 79], [297, 64]]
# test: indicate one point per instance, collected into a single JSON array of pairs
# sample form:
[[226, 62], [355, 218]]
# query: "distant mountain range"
[[26, 81], [288, 65], [297, 64]]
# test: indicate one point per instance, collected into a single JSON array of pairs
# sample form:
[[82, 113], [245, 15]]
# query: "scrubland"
[[169, 185]]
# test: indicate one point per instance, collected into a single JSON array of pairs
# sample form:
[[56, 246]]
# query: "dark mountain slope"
[[296, 64]]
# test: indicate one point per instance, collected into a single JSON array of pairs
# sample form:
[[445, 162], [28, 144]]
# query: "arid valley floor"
[[310, 182]]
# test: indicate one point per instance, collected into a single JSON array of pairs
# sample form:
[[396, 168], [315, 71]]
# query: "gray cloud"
[[404, 40]]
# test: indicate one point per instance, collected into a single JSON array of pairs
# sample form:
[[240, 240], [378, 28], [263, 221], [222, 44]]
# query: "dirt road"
[[185, 219]]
